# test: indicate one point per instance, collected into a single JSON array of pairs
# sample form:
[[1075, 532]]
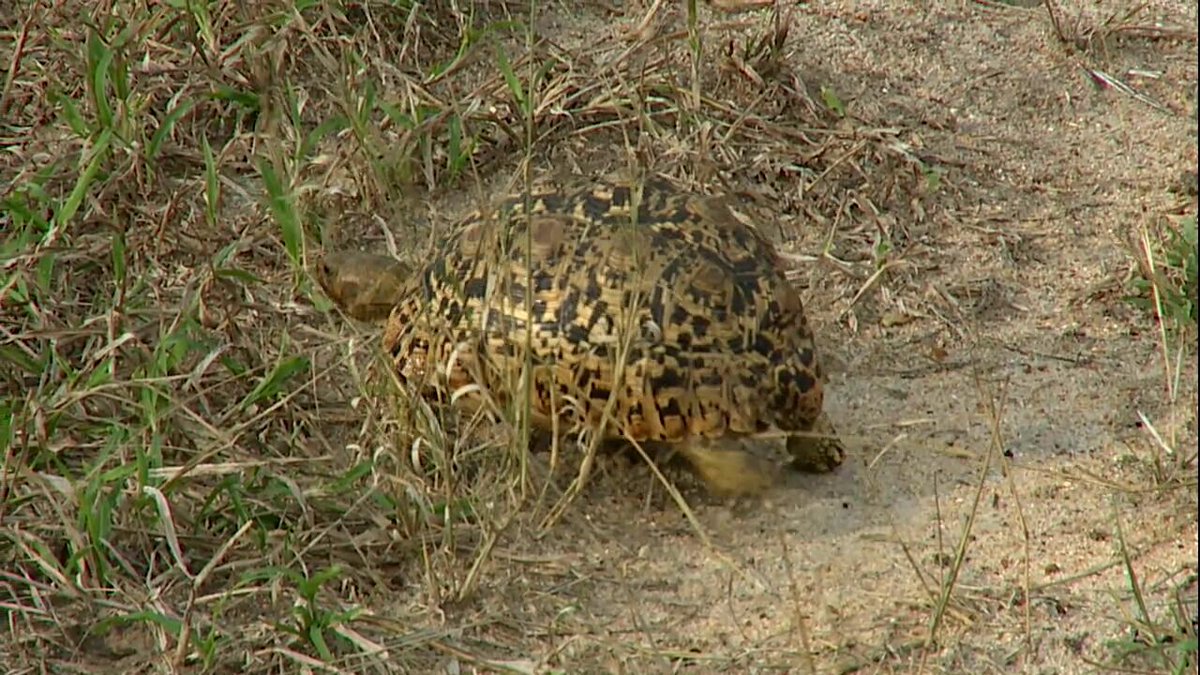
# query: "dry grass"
[[201, 472]]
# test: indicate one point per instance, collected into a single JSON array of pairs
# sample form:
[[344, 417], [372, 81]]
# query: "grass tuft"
[[1165, 284]]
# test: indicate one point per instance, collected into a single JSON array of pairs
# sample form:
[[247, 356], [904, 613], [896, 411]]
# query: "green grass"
[[1160, 636], [161, 463], [1165, 284]]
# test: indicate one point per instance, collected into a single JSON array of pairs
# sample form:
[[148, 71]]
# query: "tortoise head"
[[364, 285]]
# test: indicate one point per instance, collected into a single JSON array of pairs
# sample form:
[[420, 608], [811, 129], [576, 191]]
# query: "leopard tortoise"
[[665, 302]]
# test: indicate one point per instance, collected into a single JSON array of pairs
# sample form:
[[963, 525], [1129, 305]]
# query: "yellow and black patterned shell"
[[661, 313]]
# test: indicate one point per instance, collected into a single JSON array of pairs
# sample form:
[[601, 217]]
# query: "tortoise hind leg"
[[817, 450], [727, 467]]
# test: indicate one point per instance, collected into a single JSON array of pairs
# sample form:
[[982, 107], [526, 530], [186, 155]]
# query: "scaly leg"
[[818, 450]]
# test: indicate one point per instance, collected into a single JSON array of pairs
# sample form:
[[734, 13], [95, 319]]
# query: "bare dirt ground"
[[203, 473]]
